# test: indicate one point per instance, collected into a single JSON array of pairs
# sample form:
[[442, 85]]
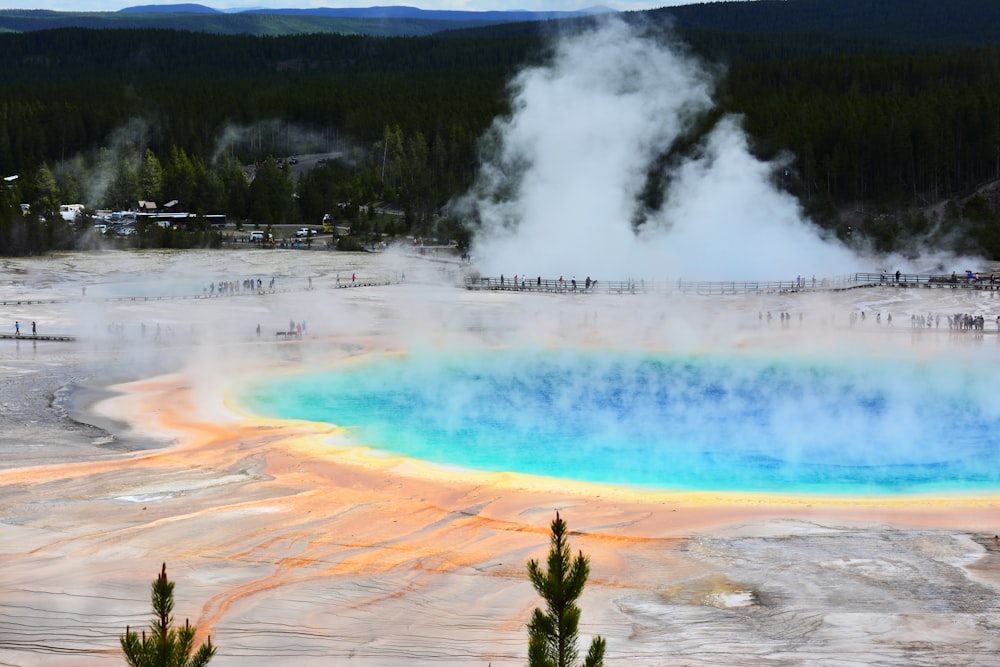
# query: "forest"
[[884, 125]]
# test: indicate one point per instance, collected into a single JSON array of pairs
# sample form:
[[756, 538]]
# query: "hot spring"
[[726, 422]]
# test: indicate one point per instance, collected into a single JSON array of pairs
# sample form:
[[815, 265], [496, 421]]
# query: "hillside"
[[951, 23], [865, 118], [931, 23], [372, 21]]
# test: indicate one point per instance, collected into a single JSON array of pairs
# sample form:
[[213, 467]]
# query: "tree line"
[[870, 124]]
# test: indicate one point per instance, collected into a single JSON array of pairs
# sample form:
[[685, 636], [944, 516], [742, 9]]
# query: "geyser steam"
[[561, 176]]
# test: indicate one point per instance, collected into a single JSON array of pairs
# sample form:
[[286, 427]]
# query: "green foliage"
[[350, 244], [552, 634], [165, 646], [270, 194], [323, 189], [150, 177], [45, 200], [915, 21], [887, 118]]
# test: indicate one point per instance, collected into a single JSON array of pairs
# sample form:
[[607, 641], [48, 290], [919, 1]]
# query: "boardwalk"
[[358, 281], [31, 337], [365, 282], [851, 281]]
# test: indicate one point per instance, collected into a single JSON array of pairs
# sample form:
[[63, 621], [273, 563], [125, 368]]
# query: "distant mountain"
[[394, 21], [829, 24], [189, 8], [407, 13], [928, 22]]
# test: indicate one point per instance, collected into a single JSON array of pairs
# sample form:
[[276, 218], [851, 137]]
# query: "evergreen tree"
[[180, 178], [552, 633], [150, 177], [123, 190], [236, 188], [166, 646], [270, 194], [46, 192]]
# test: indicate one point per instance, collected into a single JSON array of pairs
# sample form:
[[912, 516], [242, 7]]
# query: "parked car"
[[305, 232]]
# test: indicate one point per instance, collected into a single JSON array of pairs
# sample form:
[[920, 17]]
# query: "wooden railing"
[[850, 281]]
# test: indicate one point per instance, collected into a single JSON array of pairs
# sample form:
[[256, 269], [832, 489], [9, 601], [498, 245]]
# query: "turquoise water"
[[844, 426], [149, 288]]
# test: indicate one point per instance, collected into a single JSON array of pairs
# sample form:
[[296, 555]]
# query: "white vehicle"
[[101, 229], [70, 211], [305, 232]]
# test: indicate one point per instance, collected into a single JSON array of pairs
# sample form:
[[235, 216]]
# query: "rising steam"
[[559, 187]]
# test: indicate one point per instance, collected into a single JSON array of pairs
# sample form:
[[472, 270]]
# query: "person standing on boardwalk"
[[17, 329], [34, 330]]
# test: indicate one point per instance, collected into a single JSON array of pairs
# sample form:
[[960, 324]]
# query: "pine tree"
[[552, 633], [165, 646]]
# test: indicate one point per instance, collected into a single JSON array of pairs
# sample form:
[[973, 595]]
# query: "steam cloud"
[[561, 177]]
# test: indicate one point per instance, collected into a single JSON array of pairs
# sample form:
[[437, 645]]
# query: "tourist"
[[17, 329]]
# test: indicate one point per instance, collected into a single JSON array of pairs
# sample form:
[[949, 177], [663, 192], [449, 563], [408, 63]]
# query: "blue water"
[[149, 288], [844, 426]]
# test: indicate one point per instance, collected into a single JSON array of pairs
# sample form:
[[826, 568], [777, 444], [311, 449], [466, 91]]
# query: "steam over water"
[[559, 188], [721, 422], [560, 192]]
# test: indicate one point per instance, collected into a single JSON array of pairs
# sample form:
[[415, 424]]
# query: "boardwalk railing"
[[499, 283], [977, 281], [36, 337], [850, 281], [378, 281]]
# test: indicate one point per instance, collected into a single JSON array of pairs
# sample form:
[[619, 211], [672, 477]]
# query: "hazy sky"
[[471, 5]]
